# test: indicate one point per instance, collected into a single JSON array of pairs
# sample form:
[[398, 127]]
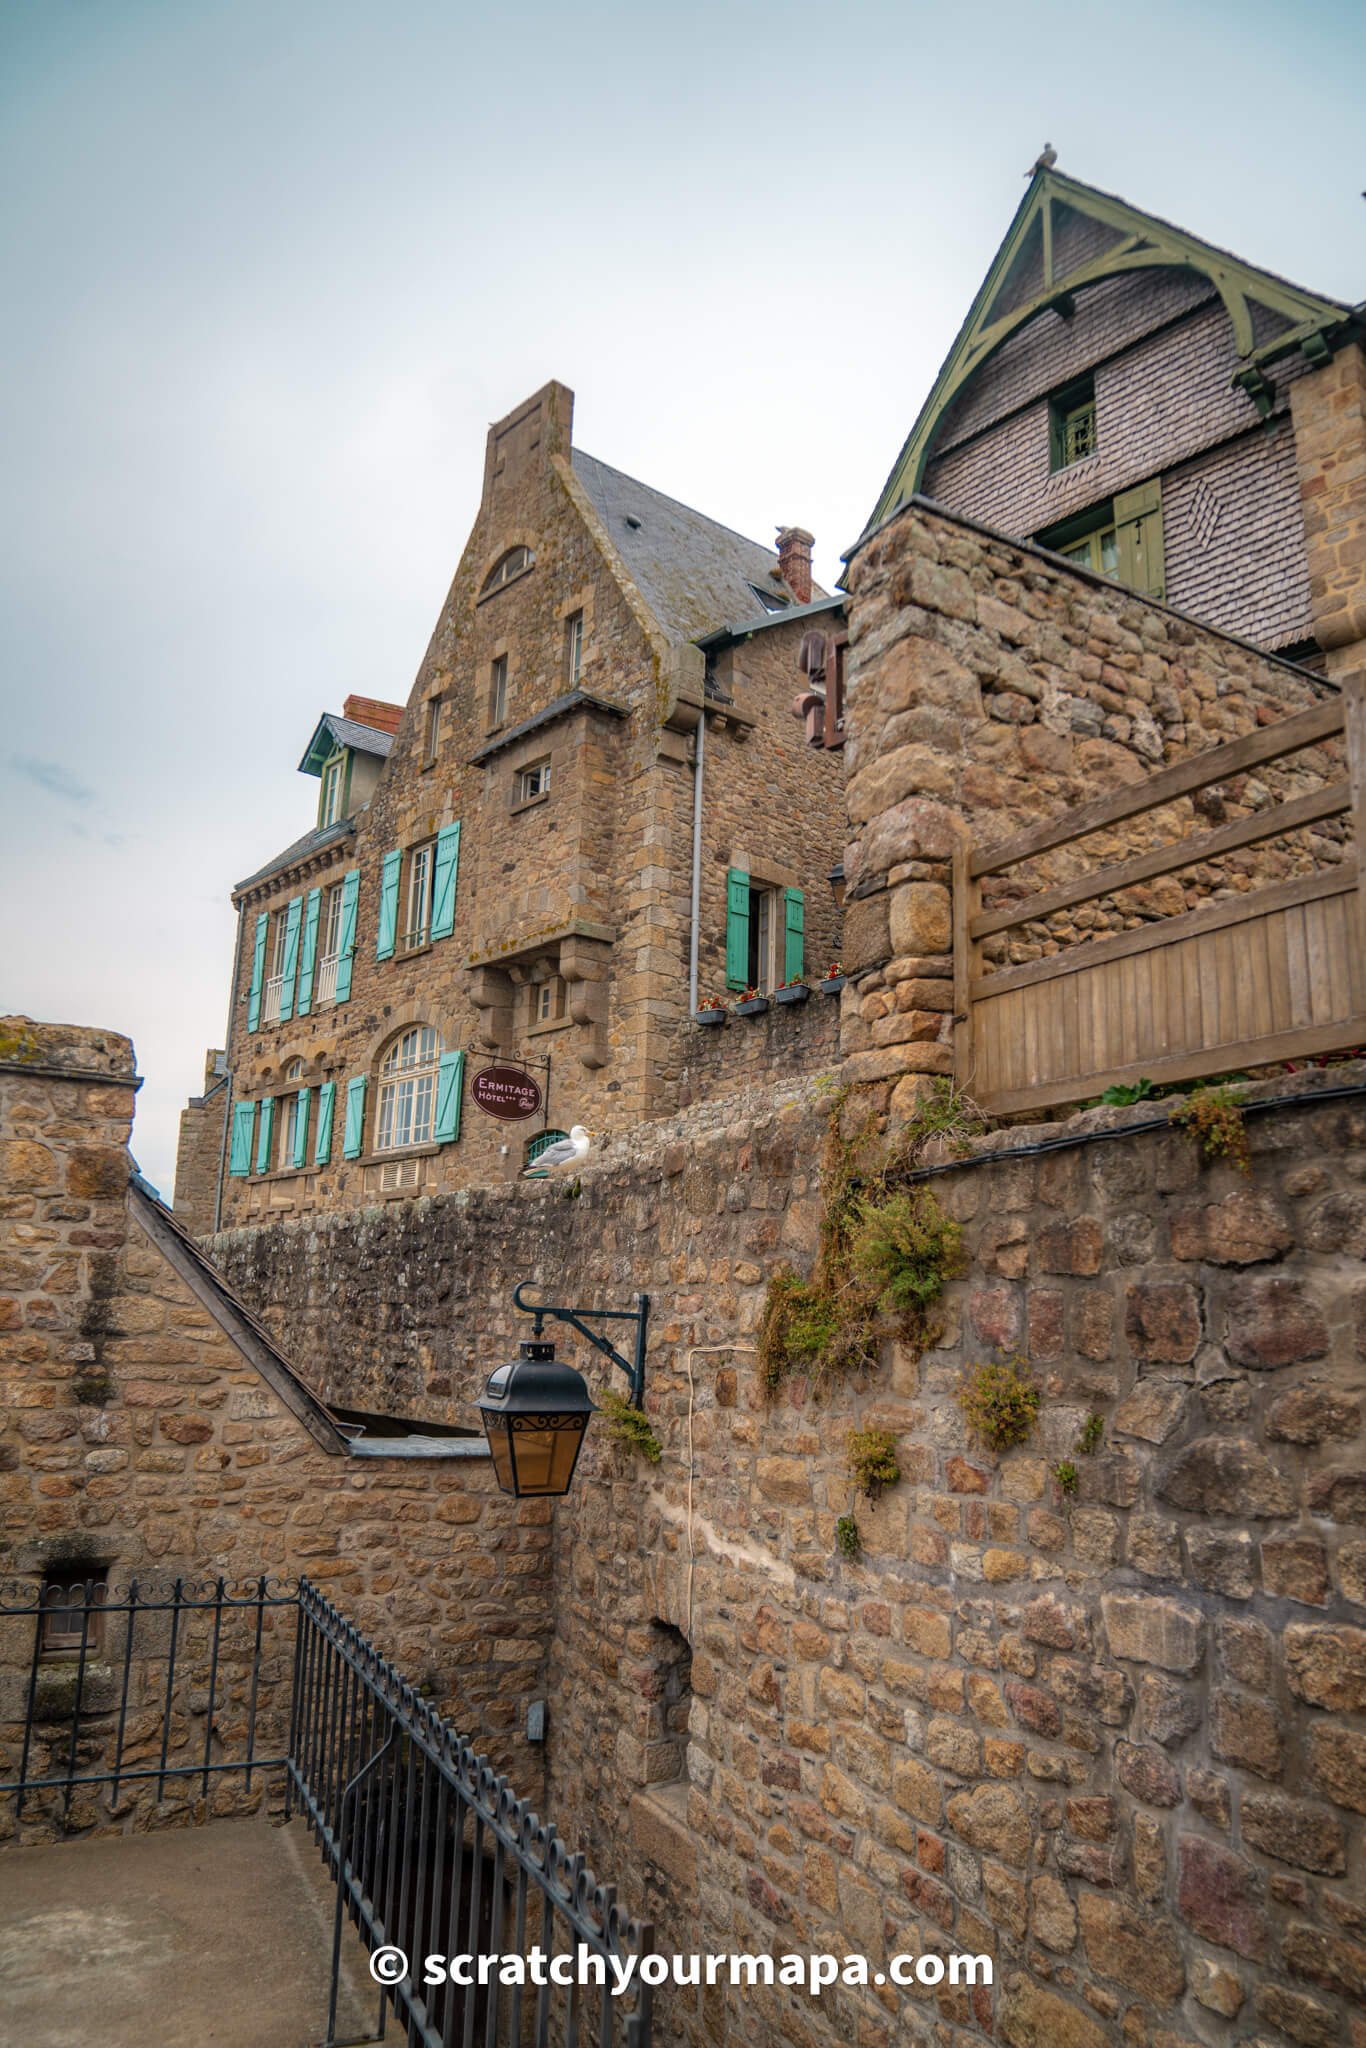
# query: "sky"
[[272, 266]]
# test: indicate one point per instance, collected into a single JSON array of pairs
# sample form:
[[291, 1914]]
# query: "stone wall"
[[1330, 449], [789, 1039], [199, 1151], [136, 1437]]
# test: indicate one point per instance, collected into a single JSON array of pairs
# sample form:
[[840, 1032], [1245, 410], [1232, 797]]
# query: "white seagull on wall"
[[564, 1153]]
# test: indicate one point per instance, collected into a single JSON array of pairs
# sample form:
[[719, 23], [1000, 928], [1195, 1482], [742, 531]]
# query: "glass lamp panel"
[[500, 1445]]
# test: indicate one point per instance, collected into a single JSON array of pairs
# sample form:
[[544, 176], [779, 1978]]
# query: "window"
[[407, 1090], [498, 691], [289, 1121], [573, 649], [533, 782], [333, 790], [769, 599], [765, 928], [547, 1001], [1122, 539], [763, 925], [329, 926], [71, 1618], [542, 1140], [1072, 425], [667, 1698], [433, 738], [279, 926], [421, 862], [513, 563], [1098, 550]]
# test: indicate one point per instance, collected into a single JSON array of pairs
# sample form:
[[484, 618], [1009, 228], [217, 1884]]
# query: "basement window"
[[72, 1617], [1072, 425]]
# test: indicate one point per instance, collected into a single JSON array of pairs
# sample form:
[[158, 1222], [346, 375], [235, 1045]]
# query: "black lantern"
[[837, 884], [535, 1413]]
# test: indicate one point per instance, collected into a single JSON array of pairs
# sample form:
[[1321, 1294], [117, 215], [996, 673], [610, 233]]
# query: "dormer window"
[[333, 790], [1072, 424], [514, 563]]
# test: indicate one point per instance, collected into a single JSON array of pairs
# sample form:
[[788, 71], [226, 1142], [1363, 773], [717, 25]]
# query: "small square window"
[[533, 782], [547, 1001], [1072, 425], [498, 692], [573, 649], [71, 1603]]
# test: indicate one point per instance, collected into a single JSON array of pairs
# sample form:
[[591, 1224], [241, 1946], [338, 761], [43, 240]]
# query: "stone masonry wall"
[[1330, 448], [789, 1039], [136, 1438], [199, 1152]]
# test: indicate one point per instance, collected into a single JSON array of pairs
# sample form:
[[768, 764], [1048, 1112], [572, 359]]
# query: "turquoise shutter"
[[263, 1134], [346, 937], [449, 1076], [737, 929], [293, 914], [239, 1157], [258, 971], [301, 1128], [322, 1141], [793, 953], [355, 1117], [388, 905], [308, 951], [443, 886]]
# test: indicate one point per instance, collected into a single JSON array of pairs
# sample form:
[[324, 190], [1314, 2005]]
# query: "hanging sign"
[[506, 1092]]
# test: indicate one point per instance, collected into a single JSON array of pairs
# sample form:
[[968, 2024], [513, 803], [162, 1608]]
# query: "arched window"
[[289, 1121], [407, 1089], [535, 1146], [506, 567]]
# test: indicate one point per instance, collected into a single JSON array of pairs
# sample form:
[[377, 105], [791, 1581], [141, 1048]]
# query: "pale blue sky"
[[271, 269]]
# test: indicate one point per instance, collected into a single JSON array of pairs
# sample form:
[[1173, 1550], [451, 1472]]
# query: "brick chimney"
[[374, 712], [794, 559]]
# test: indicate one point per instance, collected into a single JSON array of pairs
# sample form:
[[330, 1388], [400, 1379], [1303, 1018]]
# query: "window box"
[[794, 992], [754, 1006], [832, 984], [714, 1014]]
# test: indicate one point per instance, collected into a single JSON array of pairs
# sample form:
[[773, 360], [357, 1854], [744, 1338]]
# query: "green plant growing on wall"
[[944, 1113], [872, 1460], [1091, 1435], [799, 1327], [1000, 1403], [627, 1426], [847, 1539], [906, 1248], [1067, 1477], [1214, 1117]]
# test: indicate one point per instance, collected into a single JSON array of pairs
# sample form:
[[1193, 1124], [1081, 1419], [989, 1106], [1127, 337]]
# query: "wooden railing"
[[1276, 973]]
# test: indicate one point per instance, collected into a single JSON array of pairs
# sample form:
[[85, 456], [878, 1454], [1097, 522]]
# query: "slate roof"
[[344, 732], [694, 574], [312, 842]]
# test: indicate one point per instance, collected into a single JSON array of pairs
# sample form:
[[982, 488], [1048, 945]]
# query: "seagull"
[[1044, 161], [565, 1152]]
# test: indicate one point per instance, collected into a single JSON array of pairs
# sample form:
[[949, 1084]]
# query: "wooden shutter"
[[264, 1132], [258, 971], [293, 916], [449, 1076], [388, 905], [346, 937], [794, 934], [443, 886], [301, 1128], [322, 1140], [308, 951], [239, 1155], [354, 1133], [1138, 536], [737, 928]]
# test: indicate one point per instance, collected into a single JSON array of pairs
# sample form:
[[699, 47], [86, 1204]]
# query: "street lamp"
[[536, 1410]]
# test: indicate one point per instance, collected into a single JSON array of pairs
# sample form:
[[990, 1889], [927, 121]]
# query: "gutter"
[[745, 629]]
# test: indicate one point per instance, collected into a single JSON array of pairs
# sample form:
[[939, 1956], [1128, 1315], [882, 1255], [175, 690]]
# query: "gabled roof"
[[334, 731], [692, 572], [316, 841], [1067, 236]]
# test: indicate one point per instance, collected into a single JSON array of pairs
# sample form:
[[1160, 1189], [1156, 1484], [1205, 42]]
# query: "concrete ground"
[[220, 1934]]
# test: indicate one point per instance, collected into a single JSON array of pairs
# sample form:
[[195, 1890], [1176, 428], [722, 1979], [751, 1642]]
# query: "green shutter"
[[794, 947], [301, 1128], [322, 1141], [308, 950], [258, 971], [737, 929], [450, 1074], [346, 937], [354, 1133], [264, 1132], [293, 915], [239, 1156], [443, 885], [388, 905], [1138, 536]]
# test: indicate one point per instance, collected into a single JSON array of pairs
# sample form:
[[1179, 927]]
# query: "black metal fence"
[[170, 1687]]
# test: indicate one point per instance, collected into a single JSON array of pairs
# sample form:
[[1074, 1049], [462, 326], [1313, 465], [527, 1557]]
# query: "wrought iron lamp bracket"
[[634, 1369]]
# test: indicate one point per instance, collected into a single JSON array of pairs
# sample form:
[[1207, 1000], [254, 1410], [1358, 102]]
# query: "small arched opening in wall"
[[666, 1719]]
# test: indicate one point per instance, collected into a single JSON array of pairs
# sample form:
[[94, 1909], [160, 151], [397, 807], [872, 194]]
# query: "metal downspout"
[[699, 756]]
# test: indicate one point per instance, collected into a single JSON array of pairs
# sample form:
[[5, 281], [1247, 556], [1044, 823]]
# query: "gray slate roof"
[[312, 842], [347, 732], [694, 574]]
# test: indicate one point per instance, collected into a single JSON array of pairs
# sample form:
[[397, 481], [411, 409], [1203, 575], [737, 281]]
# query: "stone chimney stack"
[[794, 559]]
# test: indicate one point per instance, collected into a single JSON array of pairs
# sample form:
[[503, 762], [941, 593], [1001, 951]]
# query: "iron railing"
[[435, 1856]]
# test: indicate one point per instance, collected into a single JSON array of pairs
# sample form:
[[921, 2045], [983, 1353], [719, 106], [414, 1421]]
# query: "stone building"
[[1163, 413], [596, 803]]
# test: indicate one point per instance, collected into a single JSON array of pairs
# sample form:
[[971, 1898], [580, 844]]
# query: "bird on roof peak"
[[1044, 161]]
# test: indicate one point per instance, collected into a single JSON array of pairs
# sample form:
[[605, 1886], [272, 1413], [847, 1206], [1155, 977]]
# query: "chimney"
[[374, 712], [794, 560]]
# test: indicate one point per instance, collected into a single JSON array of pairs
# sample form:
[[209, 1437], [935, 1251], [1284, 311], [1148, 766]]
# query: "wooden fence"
[[1246, 980]]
